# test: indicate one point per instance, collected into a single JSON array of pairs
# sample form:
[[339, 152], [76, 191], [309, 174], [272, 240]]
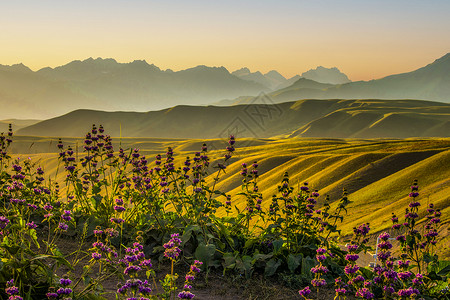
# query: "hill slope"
[[305, 118], [376, 173]]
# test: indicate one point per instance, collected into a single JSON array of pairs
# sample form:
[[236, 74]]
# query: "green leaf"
[[271, 267], [307, 264], [445, 271], [433, 276], [96, 200], [33, 236], [259, 260], [96, 189], [188, 233], [205, 253], [244, 265], [277, 245], [249, 243], [229, 261], [427, 258], [294, 261]]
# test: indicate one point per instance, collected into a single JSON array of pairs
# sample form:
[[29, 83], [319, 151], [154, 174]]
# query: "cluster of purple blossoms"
[[134, 260], [351, 268], [173, 247], [63, 226], [190, 276], [31, 225], [12, 291], [66, 216], [249, 174], [364, 293], [5, 141], [230, 149], [418, 280], [341, 288], [305, 293], [431, 226], [116, 220], [244, 170], [355, 281], [409, 293], [304, 187], [309, 207], [103, 251], [19, 175], [3, 222], [65, 281], [422, 243], [386, 277], [135, 287], [228, 202], [320, 269], [17, 201], [63, 291], [362, 230]]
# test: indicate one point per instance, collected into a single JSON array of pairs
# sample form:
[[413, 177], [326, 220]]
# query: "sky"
[[364, 39]]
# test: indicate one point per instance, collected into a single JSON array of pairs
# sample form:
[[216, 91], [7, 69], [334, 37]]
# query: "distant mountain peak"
[[444, 59], [275, 75], [326, 75], [241, 72], [220, 69], [140, 62], [446, 56], [272, 80], [20, 67]]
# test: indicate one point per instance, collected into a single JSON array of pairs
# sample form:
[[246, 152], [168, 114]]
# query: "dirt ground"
[[214, 286]]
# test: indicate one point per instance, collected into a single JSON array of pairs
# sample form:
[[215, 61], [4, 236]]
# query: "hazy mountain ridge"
[[305, 118], [105, 84], [273, 80], [326, 75], [431, 82]]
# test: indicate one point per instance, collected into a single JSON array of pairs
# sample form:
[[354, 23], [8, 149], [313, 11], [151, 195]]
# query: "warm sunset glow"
[[364, 39]]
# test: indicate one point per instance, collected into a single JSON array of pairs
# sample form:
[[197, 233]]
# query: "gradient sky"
[[364, 39]]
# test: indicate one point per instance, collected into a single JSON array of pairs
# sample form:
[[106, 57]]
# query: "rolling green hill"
[[376, 172], [304, 118], [16, 123]]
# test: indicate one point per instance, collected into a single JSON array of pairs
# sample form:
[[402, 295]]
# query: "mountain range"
[[325, 75], [431, 82], [107, 85], [272, 79], [302, 118]]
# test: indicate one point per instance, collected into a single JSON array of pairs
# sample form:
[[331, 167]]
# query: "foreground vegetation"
[[133, 213]]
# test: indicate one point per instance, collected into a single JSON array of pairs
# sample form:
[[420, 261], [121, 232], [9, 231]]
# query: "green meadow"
[[376, 173]]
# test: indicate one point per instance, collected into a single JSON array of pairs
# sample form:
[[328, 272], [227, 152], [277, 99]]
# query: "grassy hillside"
[[16, 123], [305, 118], [376, 172]]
